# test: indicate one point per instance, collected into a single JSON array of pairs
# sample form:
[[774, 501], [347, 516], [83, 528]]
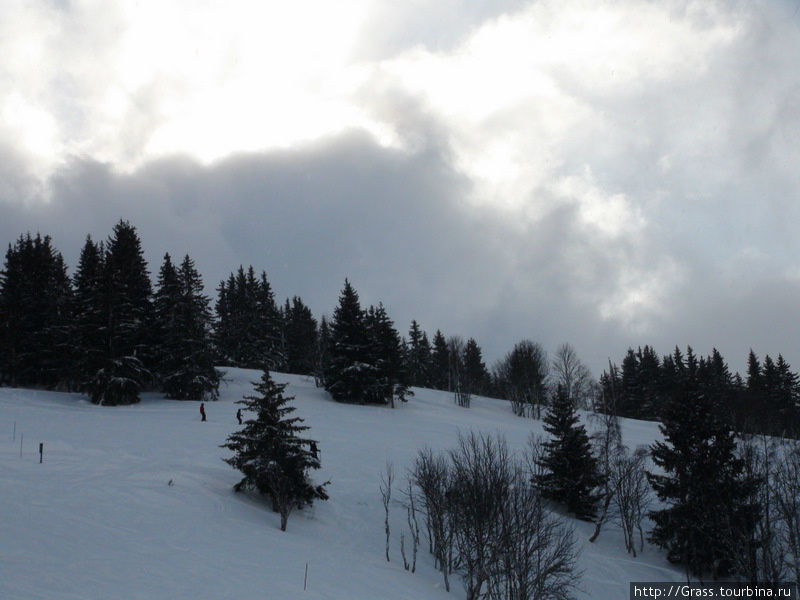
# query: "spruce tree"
[[89, 313], [322, 354], [476, 377], [35, 315], [127, 310], [270, 453], [350, 375], [440, 363], [571, 475], [386, 355], [301, 336], [703, 483], [183, 322]]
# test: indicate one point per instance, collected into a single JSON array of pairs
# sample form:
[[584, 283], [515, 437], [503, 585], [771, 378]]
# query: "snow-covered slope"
[[98, 519]]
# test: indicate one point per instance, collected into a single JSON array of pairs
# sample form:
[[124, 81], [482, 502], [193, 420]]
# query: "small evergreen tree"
[[571, 475], [270, 453]]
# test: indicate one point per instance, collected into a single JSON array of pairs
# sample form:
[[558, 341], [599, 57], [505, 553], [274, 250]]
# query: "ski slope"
[[98, 519]]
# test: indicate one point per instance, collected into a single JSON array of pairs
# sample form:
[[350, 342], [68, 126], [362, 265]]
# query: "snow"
[[99, 519]]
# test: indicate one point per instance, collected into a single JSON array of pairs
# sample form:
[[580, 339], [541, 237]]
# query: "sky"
[[604, 174]]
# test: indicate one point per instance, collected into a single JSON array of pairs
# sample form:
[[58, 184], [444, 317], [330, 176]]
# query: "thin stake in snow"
[[305, 578], [41, 452]]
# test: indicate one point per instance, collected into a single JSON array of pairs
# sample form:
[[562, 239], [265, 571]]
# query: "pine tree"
[[350, 375], [703, 483], [127, 311], [322, 354], [419, 356], [35, 315], [476, 377], [301, 336], [386, 355], [89, 313], [440, 363], [248, 330], [571, 475], [270, 453], [183, 322]]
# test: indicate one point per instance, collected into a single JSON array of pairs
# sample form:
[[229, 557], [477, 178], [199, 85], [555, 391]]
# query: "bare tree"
[[386, 496], [786, 493], [535, 552], [631, 493], [761, 552], [431, 476], [481, 478], [456, 375], [522, 376], [607, 442], [573, 376]]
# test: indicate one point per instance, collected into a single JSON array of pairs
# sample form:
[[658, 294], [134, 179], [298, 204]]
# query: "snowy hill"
[[98, 519]]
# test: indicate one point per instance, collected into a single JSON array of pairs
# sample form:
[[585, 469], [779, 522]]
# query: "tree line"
[[766, 401]]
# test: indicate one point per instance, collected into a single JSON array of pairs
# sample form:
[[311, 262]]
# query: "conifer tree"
[[350, 375], [703, 483], [440, 363], [128, 338], [270, 453], [35, 315], [571, 475], [183, 322], [419, 356], [322, 352], [301, 336], [89, 313], [476, 377], [386, 355]]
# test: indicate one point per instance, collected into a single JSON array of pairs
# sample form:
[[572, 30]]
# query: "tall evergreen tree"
[[386, 354], [571, 475], [129, 344], [184, 324], [703, 483], [322, 354], [350, 375], [419, 356], [270, 453], [476, 377], [90, 317], [35, 315], [301, 336], [248, 330], [440, 363]]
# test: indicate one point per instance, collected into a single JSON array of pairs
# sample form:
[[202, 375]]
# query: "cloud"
[[604, 174]]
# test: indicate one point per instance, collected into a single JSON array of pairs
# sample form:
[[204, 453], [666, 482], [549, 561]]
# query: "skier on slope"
[[239, 415], [202, 411]]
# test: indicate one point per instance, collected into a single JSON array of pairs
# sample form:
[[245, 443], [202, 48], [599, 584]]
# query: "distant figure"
[[239, 415], [202, 411]]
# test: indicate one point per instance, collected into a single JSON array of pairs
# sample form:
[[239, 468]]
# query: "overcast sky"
[[605, 174]]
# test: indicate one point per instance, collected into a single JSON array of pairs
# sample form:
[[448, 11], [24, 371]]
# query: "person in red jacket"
[[202, 411]]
